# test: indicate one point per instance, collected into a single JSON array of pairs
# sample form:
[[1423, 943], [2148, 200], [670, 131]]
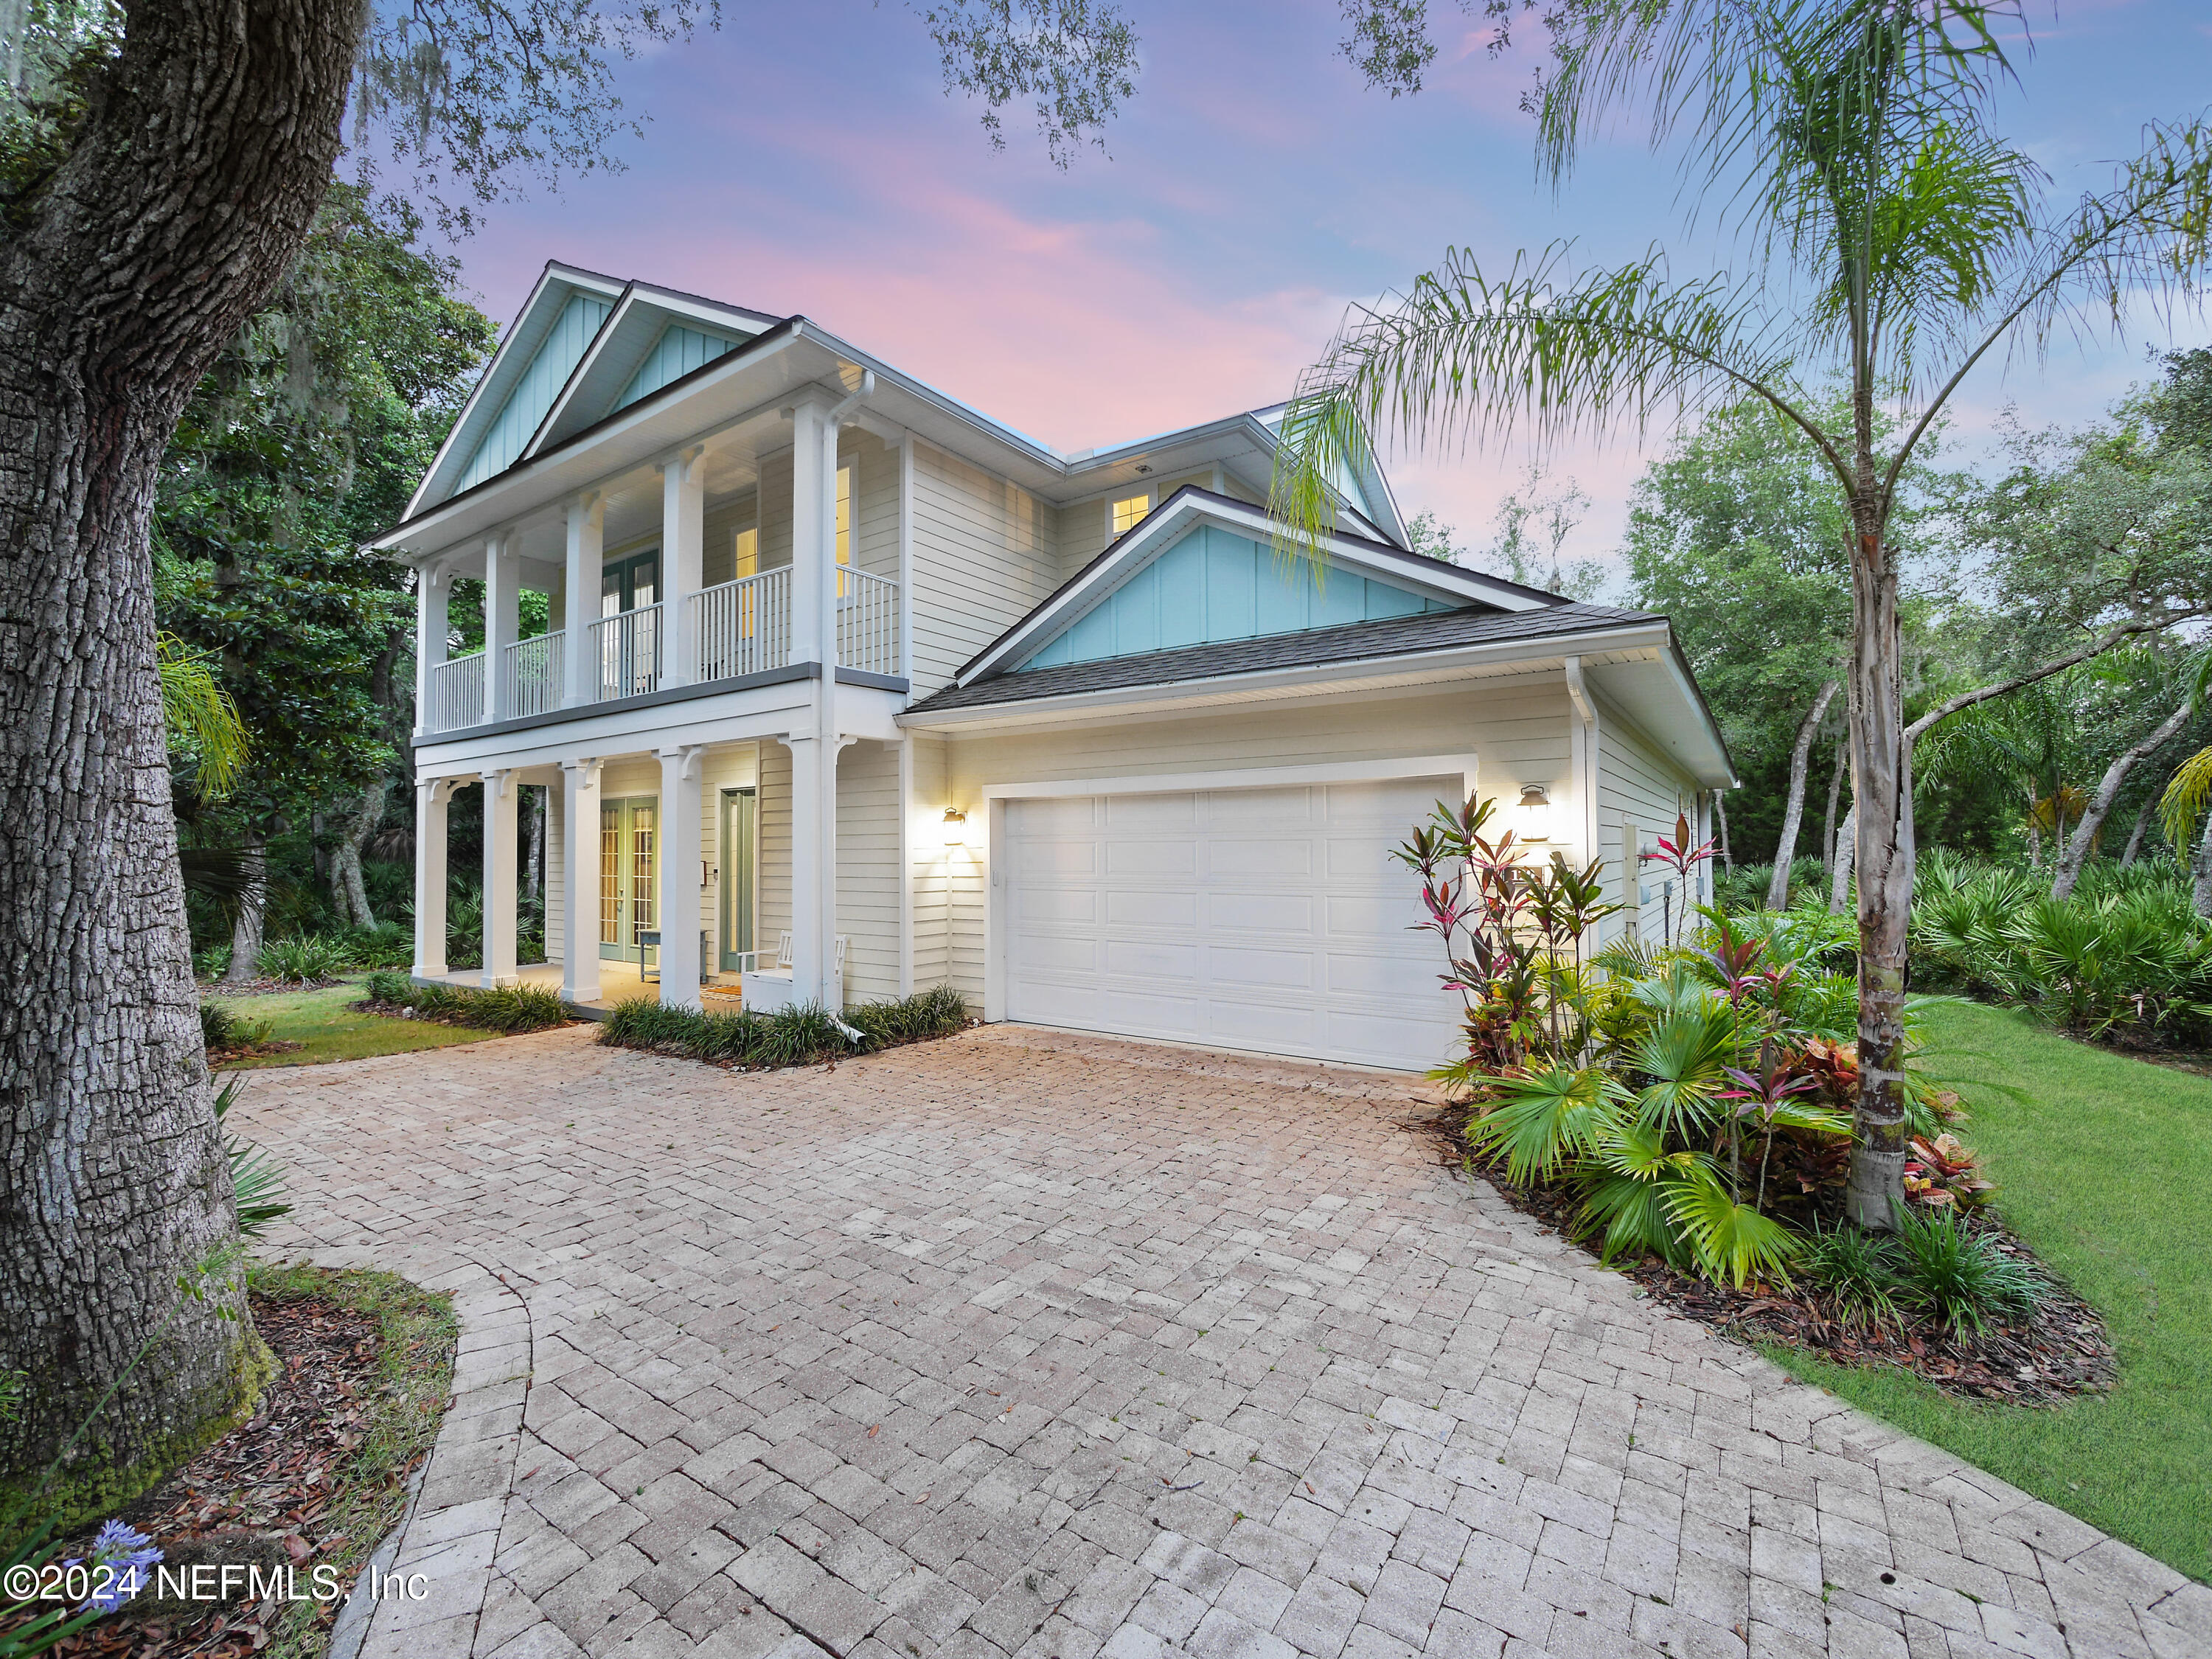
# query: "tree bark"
[[364, 820], [1882, 846], [2200, 871], [1835, 799], [246, 922], [2074, 852], [1793, 811], [1839, 872], [2136, 835], [188, 189], [1720, 816]]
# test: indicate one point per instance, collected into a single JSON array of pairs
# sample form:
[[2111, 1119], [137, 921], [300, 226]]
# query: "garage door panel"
[[1153, 908], [1282, 969], [1152, 858], [1259, 859], [1143, 813], [1275, 913], [1271, 918], [1065, 907], [1056, 953], [1247, 811], [1152, 959], [1074, 815], [1062, 859]]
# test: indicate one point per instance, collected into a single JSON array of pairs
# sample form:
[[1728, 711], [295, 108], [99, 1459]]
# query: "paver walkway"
[[1028, 1345]]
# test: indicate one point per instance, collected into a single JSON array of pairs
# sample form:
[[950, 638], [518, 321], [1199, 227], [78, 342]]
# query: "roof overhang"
[[1186, 510]]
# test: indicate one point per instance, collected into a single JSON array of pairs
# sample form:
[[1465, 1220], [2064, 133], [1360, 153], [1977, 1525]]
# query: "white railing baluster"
[[627, 647], [533, 670], [743, 627], [457, 694], [867, 622]]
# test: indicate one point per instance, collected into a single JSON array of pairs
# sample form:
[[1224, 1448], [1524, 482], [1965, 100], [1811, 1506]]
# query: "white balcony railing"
[[533, 670], [742, 627], [868, 622], [457, 694], [627, 647]]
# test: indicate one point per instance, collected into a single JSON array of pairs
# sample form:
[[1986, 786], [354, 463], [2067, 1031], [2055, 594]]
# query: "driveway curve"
[[1023, 1344]]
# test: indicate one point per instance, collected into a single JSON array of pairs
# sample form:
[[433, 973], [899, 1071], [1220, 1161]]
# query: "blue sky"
[[805, 159]]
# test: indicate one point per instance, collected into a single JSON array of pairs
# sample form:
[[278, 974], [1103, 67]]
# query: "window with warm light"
[[748, 564], [844, 528], [1128, 513]]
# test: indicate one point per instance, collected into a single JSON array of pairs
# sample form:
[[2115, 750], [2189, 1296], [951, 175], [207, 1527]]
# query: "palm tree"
[[1897, 243]]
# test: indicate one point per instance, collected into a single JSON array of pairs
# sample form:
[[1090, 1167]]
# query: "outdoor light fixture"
[[956, 827], [1536, 812]]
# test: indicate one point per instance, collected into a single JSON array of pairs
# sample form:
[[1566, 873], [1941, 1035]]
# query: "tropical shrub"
[[222, 1028], [508, 1009], [1694, 1094], [257, 1182], [304, 958], [790, 1036], [1857, 1270], [1958, 1276]]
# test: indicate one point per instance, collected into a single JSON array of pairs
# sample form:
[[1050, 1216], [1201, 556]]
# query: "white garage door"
[[1267, 919]]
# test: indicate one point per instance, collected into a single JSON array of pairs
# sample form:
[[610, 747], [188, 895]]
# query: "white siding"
[[933, 863], [984, 553], [868, 869], [1639, 795], [775, 913]]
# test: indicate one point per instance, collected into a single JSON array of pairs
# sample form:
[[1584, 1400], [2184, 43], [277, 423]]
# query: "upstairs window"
[[844, 527], [748, 554], [1129, 512]]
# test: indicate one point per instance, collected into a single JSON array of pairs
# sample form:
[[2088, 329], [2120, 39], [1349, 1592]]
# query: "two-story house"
[[849, 689]]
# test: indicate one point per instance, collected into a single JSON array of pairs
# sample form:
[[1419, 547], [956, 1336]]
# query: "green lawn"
[[2106, 1169], [326, 1025]]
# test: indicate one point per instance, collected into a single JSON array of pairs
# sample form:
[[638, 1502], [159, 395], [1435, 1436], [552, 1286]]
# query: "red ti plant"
[[1512, 935], [1768, 1096], [1678, 856]]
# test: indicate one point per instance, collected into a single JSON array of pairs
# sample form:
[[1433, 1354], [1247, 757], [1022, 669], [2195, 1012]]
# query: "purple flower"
[[126, 1553]]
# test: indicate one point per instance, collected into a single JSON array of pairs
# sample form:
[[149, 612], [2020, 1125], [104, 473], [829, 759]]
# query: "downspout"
[[1584, 741], [825, 696]]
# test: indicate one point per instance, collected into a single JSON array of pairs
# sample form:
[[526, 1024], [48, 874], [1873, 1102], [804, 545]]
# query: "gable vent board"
[[533, 394], [675, 354], [1215, 585]]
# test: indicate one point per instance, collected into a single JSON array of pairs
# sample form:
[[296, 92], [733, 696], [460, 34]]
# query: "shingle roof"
[[1355, 641]]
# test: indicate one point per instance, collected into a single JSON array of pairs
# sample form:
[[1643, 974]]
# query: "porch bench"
[[766, 990]]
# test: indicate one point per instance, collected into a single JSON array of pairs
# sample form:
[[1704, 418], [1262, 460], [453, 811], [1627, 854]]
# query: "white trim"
[[1245, 777], [996, 795]]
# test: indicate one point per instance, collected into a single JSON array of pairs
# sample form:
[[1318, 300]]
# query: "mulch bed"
[[261, 1495], [2064, 1351], [231, 1054]]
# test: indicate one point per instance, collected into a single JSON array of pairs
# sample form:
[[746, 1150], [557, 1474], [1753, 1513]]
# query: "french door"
[[740, 835], [630, 651], [629, 846]]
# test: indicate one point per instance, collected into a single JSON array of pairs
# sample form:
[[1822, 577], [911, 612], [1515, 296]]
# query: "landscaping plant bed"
[[315, 1478], [742, 1040], [508, 1010], [2060, 1351]]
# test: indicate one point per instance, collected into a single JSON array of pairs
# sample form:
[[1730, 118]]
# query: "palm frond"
[[2185, 799], [202, 721]]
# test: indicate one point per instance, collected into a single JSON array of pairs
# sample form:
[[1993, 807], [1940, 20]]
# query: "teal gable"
[[1214, 585], [533, 394], [679, 351]]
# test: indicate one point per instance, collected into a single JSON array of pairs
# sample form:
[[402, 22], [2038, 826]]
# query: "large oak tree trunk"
[[1880, 821], [1793, 811], [187, 191]]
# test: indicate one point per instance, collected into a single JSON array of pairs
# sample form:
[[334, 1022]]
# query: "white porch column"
[[433, 587], [431, 799], [679, 906], [682, 552], [813, 864], [500, 877], [580, 805], [587, 520], [502, 620]]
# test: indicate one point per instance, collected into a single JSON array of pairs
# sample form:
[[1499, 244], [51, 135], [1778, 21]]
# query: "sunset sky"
[[804, 159]]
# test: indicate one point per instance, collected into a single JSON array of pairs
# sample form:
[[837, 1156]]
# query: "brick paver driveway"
[[1021, 1344]]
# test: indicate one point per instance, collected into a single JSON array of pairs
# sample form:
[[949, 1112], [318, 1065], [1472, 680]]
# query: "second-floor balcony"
[[733, 629]]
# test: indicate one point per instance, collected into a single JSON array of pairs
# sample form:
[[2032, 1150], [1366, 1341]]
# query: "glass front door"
[[740, 830], [629, 860]]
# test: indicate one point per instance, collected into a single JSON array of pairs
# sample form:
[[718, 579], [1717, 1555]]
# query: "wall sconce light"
[[956, 827], [1536, 812]]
